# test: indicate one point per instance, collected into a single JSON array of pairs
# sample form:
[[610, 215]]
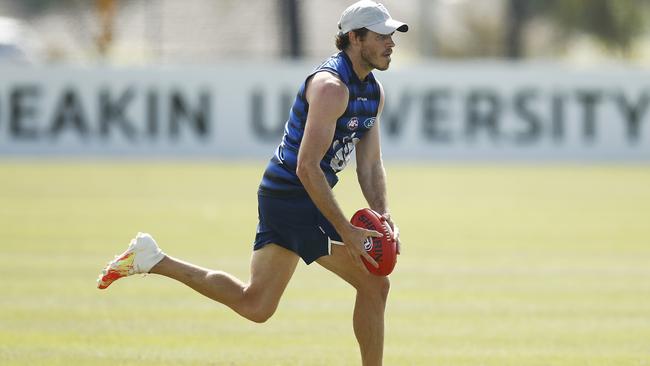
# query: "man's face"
[[376, 50]]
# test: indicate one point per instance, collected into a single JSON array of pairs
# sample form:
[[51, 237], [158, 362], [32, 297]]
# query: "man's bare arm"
[[370, 170]]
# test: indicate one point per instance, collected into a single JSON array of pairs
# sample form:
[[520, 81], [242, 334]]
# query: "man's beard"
[[367, 59]]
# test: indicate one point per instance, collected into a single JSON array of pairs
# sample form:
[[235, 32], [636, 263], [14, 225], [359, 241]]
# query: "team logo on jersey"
[[353, 123], [369, 122], [343, 151]]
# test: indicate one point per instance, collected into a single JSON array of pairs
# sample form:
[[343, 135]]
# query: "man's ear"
[[354, 38]]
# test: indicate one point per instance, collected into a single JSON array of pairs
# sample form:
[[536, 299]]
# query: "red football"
[[383, 250]]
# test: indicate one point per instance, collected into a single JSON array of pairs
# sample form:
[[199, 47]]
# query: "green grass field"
[[502, 265]]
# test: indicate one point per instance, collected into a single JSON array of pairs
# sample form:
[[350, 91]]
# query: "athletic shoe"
[[142, 254]]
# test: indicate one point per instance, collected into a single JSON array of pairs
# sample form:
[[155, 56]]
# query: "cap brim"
[[388, 27]]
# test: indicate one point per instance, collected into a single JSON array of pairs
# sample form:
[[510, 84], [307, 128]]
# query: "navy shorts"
[[294, 223]]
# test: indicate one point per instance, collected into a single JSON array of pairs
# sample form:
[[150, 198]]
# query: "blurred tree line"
[[616, 23]]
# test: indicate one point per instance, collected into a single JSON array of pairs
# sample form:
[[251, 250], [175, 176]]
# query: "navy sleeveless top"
[[280, 177]]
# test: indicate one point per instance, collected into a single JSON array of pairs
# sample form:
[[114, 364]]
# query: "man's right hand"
[[354, 238]]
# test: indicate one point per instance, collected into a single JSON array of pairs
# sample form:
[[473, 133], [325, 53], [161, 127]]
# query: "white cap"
[[371, 15]]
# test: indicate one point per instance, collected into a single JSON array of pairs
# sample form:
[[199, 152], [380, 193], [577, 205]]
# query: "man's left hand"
[[394, 229]]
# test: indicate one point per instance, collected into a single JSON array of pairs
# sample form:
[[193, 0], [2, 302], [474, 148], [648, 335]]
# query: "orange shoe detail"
[[116, 269]]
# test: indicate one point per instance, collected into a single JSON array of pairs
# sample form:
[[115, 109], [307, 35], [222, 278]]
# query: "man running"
[[336, 111]]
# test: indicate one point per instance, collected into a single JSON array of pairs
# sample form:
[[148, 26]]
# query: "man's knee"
[[377, 286], [261, 314], [384, 287], [258, 310]]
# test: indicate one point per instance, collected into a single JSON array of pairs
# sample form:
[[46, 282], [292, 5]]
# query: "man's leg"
[[372, 292], [271, 269]]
